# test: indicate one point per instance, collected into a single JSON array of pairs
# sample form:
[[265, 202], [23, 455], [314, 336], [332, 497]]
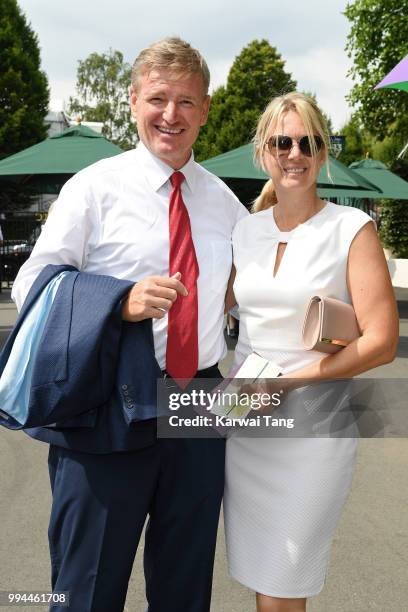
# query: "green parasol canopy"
[[391, 185], [238, 164], [51, 162]]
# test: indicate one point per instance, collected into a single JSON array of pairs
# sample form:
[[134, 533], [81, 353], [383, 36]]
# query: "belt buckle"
[[169, 383]]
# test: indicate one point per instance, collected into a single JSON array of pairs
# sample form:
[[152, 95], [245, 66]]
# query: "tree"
[[394, 227], [256, 76], [24, 93], [400, 167], [377, 41], [24, 96], [394, 213], [327, 118], [358, 141], [102, 86], [207, 143], [387, 150]]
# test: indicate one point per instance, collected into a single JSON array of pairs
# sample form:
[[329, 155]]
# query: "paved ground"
[[370, 553]]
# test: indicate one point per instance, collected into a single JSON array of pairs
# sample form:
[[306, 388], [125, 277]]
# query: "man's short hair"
[[173, 54]]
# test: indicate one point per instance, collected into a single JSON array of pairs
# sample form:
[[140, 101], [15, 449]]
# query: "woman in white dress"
[[284, 496]]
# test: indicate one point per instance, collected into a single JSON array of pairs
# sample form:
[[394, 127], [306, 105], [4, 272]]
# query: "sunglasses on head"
[[285, 143]]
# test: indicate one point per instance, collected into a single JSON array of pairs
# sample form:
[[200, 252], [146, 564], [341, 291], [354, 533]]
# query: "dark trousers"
[[100, 503]]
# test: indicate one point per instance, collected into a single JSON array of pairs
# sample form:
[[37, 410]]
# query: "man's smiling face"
[[169, 110]]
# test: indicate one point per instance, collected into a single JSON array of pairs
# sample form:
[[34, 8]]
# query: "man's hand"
[[152, 297]]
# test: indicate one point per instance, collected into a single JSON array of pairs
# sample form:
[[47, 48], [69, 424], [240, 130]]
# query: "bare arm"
[[230, 300], [376, 311]]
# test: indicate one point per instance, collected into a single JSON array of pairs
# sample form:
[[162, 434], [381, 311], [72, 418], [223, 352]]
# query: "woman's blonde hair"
[[174, 54], [314, 122]]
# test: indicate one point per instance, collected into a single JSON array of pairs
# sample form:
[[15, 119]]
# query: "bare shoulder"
[[366, 242], [368, 277]]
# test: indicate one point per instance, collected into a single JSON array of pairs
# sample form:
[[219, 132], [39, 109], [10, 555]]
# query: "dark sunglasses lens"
[[284, 143], [305, 146], [318, 143]]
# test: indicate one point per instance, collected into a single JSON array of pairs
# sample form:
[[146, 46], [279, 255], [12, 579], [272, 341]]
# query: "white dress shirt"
[[112, 218]]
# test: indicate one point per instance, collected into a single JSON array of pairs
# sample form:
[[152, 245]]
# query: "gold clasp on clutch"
[[336, 342]]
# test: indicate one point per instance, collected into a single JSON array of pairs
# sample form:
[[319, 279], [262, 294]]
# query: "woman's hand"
[[266, 395]]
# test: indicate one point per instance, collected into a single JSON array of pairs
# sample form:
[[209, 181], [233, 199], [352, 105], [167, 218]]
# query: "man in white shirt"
[[113, 218]]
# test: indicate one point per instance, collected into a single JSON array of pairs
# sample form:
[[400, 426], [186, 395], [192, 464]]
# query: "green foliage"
[[256, 76], [394, 227], [400, 167], [327, 118], [387, 150], [24, 91], [206, 145], [394, 213], [16, 195], [102, 86], [377, 41], [358, 142], [24, 96], [394, 216]]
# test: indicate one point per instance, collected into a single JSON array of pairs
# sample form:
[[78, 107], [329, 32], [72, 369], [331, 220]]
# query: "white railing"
[[399, 272]]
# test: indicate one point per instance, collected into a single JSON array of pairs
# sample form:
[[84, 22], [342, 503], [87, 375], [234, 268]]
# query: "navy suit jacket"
[[94, 384]]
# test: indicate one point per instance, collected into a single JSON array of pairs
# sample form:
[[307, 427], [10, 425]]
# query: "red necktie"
[[182, 334]]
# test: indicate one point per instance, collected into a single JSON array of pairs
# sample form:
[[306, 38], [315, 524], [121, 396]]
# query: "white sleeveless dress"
[[284, 496]]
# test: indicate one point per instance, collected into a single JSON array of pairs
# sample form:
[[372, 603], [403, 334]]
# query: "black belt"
[[211, 372]]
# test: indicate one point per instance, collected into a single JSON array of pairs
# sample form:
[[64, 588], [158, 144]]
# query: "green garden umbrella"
[[391, 185], [238, 164], [51, 162]]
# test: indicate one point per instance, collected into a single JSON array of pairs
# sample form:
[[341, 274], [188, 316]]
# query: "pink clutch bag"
[[329, 325]]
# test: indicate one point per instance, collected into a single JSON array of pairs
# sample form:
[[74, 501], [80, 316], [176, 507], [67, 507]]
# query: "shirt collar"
[[158, 173]]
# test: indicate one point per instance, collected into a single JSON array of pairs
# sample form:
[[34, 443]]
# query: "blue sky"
[[311, 37]]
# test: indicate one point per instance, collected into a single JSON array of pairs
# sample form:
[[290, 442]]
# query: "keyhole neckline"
[[285, 235]]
